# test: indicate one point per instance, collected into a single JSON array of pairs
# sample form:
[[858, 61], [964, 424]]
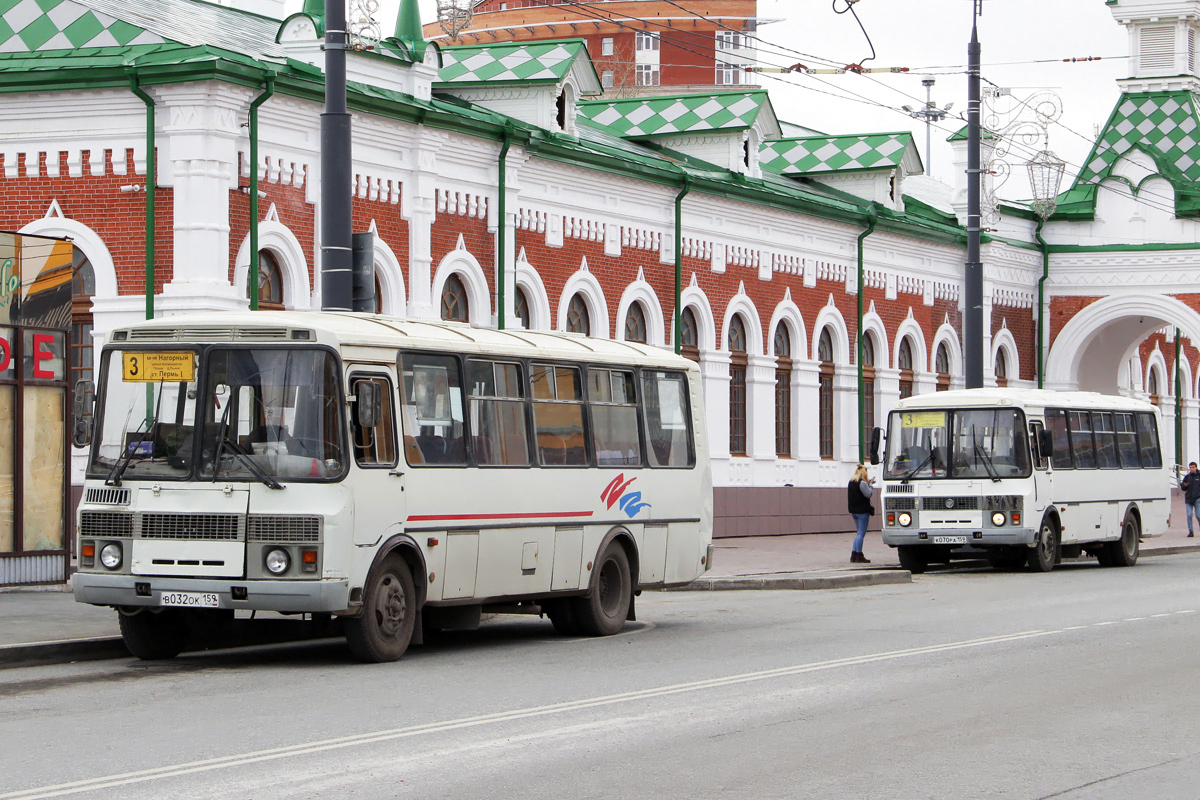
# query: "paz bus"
[[401, 475], [1028, 476]]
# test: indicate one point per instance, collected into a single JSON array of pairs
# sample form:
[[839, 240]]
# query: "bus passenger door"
[[1042, 476], [376, 480]]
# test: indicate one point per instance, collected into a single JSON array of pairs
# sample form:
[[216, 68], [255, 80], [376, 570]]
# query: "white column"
[[845, 413], [760, 408], [807, 377]]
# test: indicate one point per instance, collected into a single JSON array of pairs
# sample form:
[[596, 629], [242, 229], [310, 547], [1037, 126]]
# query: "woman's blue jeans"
[[860, 523]]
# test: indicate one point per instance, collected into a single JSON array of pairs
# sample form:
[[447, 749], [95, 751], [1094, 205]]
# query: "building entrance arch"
[[1094, 347]]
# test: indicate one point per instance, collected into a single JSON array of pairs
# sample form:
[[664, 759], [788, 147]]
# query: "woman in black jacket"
[[858, 501]]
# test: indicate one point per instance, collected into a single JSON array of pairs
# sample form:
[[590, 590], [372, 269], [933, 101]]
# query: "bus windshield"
[[957, 443]]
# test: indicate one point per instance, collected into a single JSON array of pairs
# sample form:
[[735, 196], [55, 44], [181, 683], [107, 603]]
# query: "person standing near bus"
[[1191, 494], [858, 497]]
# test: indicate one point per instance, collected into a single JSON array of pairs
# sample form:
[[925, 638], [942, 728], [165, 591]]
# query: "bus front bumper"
[[958, 537], [286, 596]]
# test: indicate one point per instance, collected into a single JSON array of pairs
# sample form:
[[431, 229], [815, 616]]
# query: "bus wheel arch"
[[1124, 551], [403, 546], [608, 603]]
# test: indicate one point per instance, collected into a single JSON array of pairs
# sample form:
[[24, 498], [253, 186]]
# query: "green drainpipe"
[[262, 98], [687, 187], [858, 358], [501, 226], [1178, 406], [1041, 319], [151, 187]]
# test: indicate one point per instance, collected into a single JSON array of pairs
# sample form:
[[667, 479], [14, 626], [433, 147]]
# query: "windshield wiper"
[[918, 468], [114, 477], [224, 444], [981, 454]]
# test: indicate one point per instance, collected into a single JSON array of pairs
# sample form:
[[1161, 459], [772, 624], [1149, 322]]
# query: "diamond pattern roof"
[[499, 63], [1165, 122], [834, 153], [28, 26], [661, 116]]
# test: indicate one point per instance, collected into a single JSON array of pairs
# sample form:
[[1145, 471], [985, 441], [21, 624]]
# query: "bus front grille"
[[283, 528], [107, 497], [900, 503], [205, 527], [105, 524], [950, 503]]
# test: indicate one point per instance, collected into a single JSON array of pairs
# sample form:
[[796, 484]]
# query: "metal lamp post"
[[931, 114], [455, 15]]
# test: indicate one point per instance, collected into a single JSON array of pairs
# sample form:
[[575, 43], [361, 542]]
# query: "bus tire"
[[384, 630], [1006, 558], [602, 611], [1124, 551], [562, 616], [1041, 557], [152, 635], [913, 558]]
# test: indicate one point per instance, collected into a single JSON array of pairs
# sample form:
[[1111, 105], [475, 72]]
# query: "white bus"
[[1026, 475], [401, 475]]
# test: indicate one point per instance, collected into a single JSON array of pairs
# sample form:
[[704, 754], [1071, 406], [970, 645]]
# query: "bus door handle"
[[396, 473]]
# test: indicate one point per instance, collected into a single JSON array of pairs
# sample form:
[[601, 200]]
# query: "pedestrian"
[[1191, 494], [858, 497]]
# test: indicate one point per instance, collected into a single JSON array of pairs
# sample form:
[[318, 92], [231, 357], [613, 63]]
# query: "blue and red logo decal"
[[615, 494]]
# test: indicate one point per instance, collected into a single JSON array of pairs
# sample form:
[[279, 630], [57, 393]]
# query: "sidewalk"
[[45, 625]]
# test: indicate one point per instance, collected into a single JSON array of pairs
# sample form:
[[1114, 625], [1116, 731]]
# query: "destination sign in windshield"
[[158, 366]]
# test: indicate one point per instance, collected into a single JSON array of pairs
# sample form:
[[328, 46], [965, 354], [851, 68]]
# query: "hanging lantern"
[[1045, 177], [455, 15]]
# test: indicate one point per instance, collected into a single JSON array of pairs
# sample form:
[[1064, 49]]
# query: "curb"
[[35, 654], [1170, 551], [801, 581]]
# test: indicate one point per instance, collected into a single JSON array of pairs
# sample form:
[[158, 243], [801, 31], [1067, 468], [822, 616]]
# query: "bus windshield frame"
[[988, 442], [269, 413]]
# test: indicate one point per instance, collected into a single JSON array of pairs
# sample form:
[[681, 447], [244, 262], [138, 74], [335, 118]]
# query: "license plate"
[[949, 540], [190, 599]]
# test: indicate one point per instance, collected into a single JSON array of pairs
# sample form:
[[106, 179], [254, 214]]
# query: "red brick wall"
[[1023, 327]]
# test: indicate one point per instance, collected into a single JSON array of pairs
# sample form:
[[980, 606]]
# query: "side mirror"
[[368, 401], [876, 441], [1046, 443], [81, 433]]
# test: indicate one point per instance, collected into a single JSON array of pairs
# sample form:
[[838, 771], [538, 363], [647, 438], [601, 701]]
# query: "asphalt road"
[[969, 684]]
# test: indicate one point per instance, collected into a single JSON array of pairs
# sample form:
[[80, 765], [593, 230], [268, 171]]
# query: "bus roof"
[[377, 330], [1023, 398]]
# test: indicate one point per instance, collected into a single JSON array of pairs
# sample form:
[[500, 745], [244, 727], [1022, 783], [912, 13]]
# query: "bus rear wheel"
[[913, 558], [1042, 557], [562, 616], [385, 628], [602, 611], [153, 635], [1124, 551]]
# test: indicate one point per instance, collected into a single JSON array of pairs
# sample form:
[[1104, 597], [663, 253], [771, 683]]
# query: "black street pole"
[[973, 282], [337, 275]]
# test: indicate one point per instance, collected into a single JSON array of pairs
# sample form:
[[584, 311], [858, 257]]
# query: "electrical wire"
[[850, 7]]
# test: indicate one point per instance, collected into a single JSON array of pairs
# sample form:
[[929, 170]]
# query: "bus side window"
[[1148, 441], [1127, 443], [1056, 423], [374, 446], [1040, 461], [613, 405], [1106, 440], [1081, 439], [558, 415], [432, 410], [668, 426], [497, 408]]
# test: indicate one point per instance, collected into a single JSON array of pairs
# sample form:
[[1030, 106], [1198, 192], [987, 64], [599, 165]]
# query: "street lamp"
[[455, 15], [1045, 177], [931, 114]]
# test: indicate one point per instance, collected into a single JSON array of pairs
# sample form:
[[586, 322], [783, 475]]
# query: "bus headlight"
[[277, 561], [110, 555], [904, 519], [998, 519]]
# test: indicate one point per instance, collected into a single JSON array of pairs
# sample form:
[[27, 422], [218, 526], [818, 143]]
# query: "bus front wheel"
[[603, 610], [153, 635], [1124, 551], [385, 628], [1045, 553], [913, 558]]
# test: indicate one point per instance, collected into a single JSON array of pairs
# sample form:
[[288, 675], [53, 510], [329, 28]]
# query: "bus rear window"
[[668, 427], [1148, 441]]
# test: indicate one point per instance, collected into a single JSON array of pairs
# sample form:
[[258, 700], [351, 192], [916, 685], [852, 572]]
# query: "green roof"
[[662, 116], [817, 154], [29, 26], [510, 62]]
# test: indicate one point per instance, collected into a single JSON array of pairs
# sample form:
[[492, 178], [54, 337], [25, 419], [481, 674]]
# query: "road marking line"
[[1134, 619], [1075, 628], [191, 767], [1156, 616], [1102, 624], [1188, 611]]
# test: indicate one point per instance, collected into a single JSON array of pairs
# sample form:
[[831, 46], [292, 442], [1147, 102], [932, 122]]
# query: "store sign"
[[8, 370], [36, 274], [44, 355]]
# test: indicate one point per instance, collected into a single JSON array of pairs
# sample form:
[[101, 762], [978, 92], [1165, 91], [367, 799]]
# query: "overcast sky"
[[920, 34]]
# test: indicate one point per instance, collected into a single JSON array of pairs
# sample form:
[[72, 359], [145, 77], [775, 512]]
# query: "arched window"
[[737, 386], [868, 358], [455, 307], [270, 282], [521, 307], [1152, 386], [83, 287], [783, 392], [1001, 368], [825, 392], [904, 360], [577, 316], [941, 365], [378, 295], [689, 335], [635, 323]]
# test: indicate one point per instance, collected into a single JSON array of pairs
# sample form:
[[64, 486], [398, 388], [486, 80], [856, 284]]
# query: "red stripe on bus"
[[430, 517]]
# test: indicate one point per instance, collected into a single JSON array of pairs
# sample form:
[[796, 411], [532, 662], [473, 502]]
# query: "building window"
[[737, 386], [647, 41], [1001, 368], [455, 307], [729, 74], [689, 335], [606, 46], [606, 79], [270, 282], [521, 307], [868, 388], [1152, 386], [730, 40], [577, 316], [904, 360], [825, 392], [647, 75], [783, 392], [635, 323], [941, 364], [83, 287]]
